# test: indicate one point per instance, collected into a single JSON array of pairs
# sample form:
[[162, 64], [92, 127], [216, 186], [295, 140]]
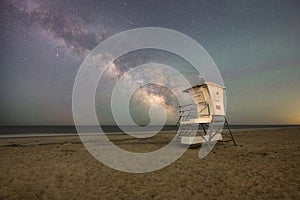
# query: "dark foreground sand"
[[264, 165]]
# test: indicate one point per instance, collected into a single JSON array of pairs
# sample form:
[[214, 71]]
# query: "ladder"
[[188, 112]]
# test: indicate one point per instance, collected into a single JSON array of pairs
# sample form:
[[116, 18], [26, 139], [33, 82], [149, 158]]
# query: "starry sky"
[[255, 44]]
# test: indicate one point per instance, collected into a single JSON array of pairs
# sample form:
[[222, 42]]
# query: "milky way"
[[254, 43], [66, 30]]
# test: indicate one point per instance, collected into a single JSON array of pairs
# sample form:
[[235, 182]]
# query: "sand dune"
[[264, 165]]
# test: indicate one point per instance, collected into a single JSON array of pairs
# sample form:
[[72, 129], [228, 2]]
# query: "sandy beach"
[[264, 165]]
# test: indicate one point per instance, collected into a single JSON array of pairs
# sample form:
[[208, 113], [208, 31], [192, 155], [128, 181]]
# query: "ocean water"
[[71, 130]]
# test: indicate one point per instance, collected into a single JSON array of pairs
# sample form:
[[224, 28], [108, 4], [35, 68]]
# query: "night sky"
[[255, 44]]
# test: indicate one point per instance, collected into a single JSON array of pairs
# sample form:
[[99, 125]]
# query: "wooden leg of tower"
[[230, 132], [178, 123], [203, 127]]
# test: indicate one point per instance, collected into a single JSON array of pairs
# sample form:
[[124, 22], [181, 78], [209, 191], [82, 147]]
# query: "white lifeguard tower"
[[208, 105]]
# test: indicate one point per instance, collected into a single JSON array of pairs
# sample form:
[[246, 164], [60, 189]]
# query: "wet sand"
[[264, 165]]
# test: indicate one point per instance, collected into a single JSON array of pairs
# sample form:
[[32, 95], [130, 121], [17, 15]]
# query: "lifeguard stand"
[[208, 105]]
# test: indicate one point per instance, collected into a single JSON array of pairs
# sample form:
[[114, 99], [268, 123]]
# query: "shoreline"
[[37, 135]]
